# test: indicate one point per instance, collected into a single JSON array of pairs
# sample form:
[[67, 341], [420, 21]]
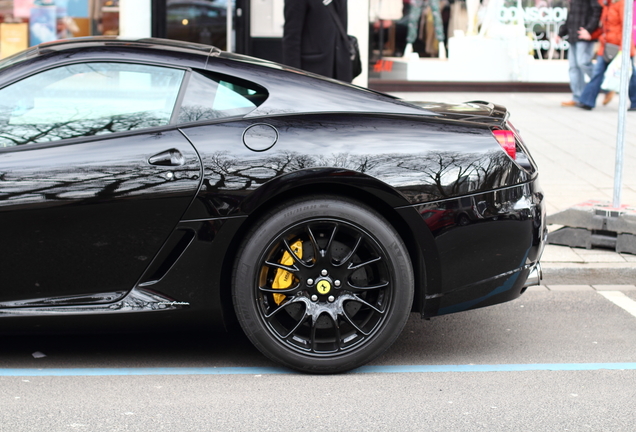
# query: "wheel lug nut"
[[324, 272], [310, 282], [314, 298], [336, 283], [331, 299]]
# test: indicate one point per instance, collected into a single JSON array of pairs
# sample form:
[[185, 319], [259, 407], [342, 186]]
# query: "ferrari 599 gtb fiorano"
[[154, 179]]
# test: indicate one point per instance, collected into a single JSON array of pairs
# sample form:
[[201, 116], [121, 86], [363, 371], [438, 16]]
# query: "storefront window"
[[196, 21], [468, 40], [402, 27], [25, 23]]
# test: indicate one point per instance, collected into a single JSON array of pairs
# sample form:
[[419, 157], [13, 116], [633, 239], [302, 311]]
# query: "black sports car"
[[158, 179]]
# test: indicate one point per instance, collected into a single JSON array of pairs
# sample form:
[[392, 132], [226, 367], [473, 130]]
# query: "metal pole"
[[626, 68]]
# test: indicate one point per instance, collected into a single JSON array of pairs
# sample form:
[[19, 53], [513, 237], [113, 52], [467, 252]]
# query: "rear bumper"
[[489, 252]]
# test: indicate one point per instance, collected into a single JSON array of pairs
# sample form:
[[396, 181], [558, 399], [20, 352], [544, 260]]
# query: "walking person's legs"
[[584, 55], [591, 90], [577, 81]]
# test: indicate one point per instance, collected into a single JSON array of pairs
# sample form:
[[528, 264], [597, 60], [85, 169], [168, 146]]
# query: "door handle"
[[172, 157]]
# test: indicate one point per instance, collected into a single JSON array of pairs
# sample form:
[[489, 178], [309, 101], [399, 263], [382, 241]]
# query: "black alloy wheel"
[[323, 285]]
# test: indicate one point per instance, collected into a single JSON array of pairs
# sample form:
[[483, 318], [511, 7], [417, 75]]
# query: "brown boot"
[[569, 103], [608, 97]]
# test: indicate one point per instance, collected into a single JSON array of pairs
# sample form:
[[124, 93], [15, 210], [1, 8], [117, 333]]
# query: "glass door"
[[203, 21]]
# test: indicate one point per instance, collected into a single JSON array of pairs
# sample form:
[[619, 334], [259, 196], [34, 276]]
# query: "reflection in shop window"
[[401, 28], [197, 21], [25, 23]]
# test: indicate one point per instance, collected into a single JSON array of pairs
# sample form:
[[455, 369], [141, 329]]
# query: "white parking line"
[[620, 300]]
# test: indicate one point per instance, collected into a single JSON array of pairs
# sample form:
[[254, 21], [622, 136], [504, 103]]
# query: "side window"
[[212, 97], [87, 99]]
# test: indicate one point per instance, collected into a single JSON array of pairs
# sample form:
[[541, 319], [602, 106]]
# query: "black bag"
[[351, 41], [610, 52], [354, 50]]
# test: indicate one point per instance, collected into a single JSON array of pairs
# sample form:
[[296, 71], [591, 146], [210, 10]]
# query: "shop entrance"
[[212, 22]]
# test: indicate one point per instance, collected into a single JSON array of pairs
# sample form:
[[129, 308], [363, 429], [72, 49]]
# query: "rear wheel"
[[323, 284]]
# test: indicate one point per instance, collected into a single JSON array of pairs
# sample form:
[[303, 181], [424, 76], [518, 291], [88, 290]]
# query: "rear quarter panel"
[[406, 163], [421, 159]]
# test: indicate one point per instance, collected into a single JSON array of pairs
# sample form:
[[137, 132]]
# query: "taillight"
[[506, 140]]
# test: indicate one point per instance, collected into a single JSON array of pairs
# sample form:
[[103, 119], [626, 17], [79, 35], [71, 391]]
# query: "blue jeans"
[[580, 57], [592, 89]]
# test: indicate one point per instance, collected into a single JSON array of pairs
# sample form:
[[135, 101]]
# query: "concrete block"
[[626, 243], [596, 224]]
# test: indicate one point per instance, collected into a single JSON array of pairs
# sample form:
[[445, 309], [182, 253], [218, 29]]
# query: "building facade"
[[400, 40]]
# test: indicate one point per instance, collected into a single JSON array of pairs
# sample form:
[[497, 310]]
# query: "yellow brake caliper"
[[283, 278]]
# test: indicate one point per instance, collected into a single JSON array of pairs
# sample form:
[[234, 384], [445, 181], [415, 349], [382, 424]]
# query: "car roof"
[[284, 84], [116, 42]]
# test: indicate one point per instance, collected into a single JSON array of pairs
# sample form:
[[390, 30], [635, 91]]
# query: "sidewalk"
[[575, 151]]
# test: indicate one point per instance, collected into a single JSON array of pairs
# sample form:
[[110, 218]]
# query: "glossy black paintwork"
[[87, 218], [428, 163], [477, 238], [93, 227]]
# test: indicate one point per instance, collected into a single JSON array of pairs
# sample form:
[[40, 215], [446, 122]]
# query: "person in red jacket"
[[612, 33]]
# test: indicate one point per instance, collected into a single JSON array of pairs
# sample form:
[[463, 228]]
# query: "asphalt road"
[[559, 332]]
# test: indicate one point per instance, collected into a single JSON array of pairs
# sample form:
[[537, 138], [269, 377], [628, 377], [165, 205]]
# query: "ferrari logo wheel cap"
[[323, 287]]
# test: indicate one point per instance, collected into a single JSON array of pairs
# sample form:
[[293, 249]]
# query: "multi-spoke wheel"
[[323, 285]]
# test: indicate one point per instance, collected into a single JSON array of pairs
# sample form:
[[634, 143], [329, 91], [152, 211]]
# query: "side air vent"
[[178, 242]]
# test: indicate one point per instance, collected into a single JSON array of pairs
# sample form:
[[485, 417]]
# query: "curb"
[[570, 288], [588, 274]]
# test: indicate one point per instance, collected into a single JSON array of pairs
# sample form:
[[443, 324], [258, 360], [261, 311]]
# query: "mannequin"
[[412, 21], [439, 28]]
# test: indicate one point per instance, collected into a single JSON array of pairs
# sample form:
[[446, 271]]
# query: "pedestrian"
[[312, 41], [612, 34], [583, 15]]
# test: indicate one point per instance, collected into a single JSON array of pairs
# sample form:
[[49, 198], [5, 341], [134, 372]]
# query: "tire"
[[463, 220], [322, 284]]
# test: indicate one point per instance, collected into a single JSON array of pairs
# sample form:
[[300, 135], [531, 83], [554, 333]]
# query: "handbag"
[[610, 52], [350, 41], [612, 78], [354, 52]]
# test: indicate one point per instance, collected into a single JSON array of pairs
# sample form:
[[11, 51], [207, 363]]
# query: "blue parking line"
[[497, 367], [59, 372]]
